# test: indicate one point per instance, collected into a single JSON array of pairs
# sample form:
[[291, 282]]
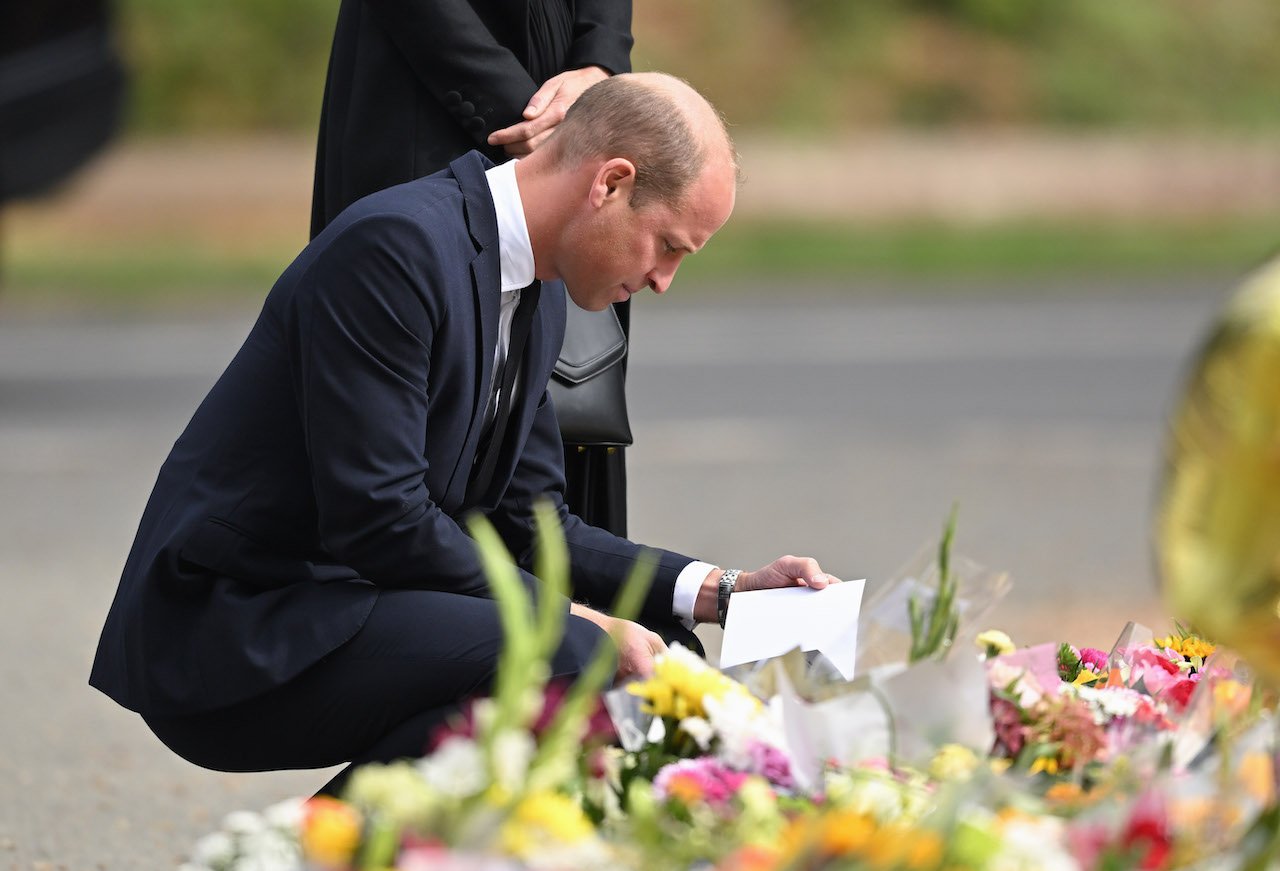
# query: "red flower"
[[1147, 836]]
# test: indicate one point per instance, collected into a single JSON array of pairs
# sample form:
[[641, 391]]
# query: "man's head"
[[640, 173]]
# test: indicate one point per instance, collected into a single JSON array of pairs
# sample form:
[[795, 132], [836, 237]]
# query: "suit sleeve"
[[362, 377], [601, 35], [458, 61], [599, 561]]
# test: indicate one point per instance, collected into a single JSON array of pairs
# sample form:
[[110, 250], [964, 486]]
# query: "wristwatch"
[[728, 581]]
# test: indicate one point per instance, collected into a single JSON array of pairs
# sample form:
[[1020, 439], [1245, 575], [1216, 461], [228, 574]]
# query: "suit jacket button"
[[466, 108], [475, 124], [452, 99]]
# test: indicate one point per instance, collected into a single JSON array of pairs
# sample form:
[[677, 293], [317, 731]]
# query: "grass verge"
[[149, 275]]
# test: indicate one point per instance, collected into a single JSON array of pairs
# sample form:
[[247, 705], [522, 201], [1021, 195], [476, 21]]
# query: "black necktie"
[[520, 326]]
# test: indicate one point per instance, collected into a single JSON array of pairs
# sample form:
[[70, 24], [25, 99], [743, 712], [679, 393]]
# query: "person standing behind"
[[414, 84]]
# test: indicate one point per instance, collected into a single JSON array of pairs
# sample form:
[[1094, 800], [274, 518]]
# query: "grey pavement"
[[810, 422]]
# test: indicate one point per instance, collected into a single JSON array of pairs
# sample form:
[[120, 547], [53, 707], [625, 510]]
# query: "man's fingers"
[[525, 130], [541, 98]]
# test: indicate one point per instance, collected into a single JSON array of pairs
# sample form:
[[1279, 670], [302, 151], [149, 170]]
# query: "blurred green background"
[[221, 88]]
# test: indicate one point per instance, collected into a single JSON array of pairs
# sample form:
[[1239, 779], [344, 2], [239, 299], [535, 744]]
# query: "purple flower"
[[772, 764]]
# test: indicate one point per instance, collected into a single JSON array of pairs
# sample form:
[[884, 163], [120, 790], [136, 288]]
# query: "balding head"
[[658, 122]]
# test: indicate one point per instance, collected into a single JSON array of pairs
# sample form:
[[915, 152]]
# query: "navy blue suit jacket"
[[332, 459]]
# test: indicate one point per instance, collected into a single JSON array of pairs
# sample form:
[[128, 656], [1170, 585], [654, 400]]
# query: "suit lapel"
[[486, 289]]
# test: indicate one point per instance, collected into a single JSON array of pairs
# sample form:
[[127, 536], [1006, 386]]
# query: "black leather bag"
[[588, 385]]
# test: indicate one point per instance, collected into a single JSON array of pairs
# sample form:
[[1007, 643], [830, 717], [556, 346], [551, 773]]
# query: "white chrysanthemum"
[[268, 850], [1111, 701], [243, 823], [740, 722], [456, 769], [215, 850], [513, 750], [699, 730], [285, 815]]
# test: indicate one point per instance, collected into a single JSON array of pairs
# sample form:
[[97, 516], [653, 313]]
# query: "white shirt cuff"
[[688, 584]]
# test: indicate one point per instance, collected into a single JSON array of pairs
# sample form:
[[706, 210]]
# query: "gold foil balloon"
[[1218, 522]]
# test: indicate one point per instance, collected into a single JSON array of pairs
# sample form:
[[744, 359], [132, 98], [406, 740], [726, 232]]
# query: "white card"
[[768, 623]]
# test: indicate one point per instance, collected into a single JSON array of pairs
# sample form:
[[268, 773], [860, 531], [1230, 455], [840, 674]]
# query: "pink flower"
[[1011, 734], [704, 779], [1093, 659], [1156, 671]]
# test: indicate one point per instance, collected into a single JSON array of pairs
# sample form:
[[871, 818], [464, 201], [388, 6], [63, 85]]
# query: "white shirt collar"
[[515, 251]]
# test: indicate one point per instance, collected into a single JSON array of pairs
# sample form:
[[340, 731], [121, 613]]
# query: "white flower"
[[268, 850], [1032, 844], [686, 657], [285, 815], [214, 850], [1111, 701], [455, 769], [739, 722], [1000, 675], [243, 823], [513, 750], [699, 730]]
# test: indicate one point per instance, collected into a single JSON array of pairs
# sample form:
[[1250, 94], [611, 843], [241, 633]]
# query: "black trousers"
[[379, 697]]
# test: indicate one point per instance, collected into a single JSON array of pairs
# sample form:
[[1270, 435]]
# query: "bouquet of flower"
[[1156, 754]]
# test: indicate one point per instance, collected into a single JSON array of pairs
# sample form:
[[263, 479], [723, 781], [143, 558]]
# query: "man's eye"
[[668, 247]]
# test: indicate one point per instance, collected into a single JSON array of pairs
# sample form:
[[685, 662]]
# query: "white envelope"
[[767, 623]]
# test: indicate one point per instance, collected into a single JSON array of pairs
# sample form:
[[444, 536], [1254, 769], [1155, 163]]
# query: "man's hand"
[[785, 571], [637, 646], [545, 110]]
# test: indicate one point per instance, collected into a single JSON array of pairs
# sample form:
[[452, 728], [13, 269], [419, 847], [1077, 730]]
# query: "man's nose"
[[660, 277]]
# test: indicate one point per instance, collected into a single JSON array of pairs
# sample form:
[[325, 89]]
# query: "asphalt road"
[[769, 421]]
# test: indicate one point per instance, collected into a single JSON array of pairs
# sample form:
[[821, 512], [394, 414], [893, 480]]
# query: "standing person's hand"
[[546, 109]]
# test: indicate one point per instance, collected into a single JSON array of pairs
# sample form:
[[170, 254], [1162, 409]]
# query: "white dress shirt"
[[515, 258]]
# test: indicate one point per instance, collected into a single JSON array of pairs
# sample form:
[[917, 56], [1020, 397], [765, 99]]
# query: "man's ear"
[[614, 180]]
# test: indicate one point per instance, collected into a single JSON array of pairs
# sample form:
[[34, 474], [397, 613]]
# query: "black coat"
[[413, 84]]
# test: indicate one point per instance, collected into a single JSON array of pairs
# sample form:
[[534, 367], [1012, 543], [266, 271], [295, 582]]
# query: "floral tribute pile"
[[969, 753]]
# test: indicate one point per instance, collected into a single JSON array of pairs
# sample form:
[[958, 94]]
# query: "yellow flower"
[[680, 682], [330, 832], [543, 819], [1257, 778], [1190, 646], [1047, 764], [846, 833], [993, 642], [953, 762]]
